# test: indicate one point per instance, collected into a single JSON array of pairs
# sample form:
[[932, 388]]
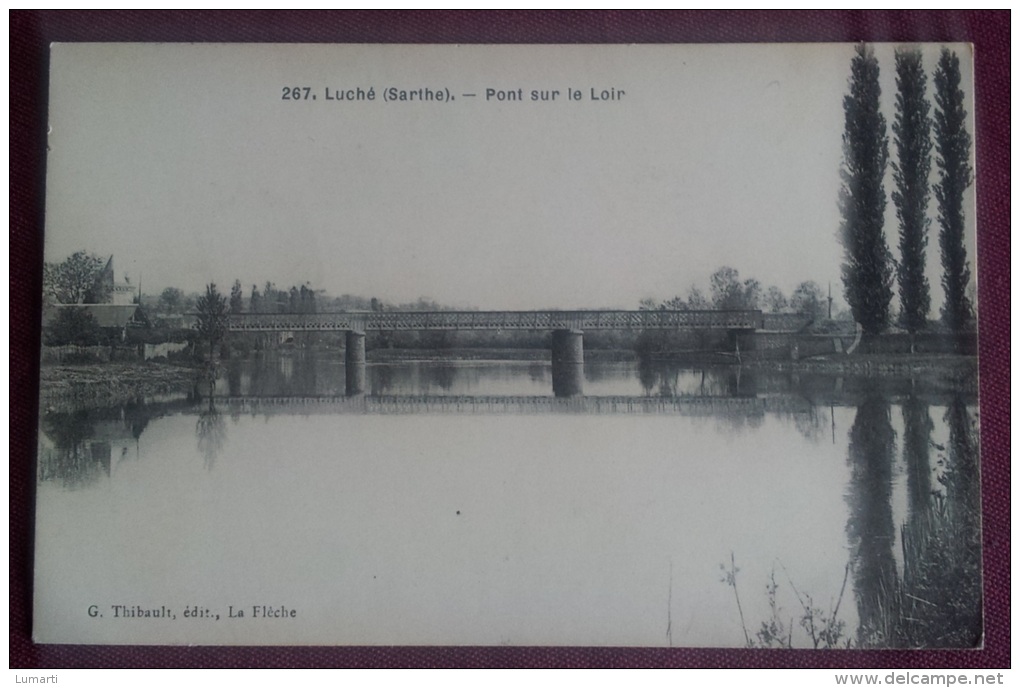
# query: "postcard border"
[[32, 31]]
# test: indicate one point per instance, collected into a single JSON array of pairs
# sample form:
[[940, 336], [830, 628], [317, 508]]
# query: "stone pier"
[[568, 363], [354, 363]]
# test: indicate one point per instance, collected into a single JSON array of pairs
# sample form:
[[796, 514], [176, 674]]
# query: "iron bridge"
[[496, 320]]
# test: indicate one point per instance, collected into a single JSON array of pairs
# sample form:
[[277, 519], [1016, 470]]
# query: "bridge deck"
[[496, 320]]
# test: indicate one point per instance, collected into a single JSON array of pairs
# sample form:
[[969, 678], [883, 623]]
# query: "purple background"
[[32, 31]]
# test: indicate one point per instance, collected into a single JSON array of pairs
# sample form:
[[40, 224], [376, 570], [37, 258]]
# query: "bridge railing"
[[268, 322], [498, 320]]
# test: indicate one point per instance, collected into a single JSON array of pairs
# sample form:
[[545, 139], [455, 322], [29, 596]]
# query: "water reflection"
[[567, 379], [936, 602], [870, 529], [443, 374], [900, 485], [814, 423], [538, 372], [298, 373], [80, 446], [917, 428], [941, 601], [211, 433], [73, 455], [234, 378], [312, 373], [382, 380]]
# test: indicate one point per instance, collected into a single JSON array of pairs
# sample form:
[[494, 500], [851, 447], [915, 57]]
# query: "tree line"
[[728, 292], [76, 280], [269, 299], [869, 270], [297, 299]]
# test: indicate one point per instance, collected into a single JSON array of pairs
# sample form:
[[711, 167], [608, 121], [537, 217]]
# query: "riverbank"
[[94, 384], [947, 372], [881, 365], [69, 386]]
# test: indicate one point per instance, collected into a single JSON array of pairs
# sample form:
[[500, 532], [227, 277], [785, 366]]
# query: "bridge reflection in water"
[[567, 328], [522, 405]]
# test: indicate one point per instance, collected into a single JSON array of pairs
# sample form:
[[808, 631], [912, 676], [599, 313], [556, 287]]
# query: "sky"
[[186, 164]]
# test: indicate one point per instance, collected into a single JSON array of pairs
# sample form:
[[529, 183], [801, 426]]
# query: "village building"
[[117, 310], [121, 293]]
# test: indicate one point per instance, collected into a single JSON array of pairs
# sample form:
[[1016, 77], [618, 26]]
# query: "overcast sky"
[[185, 163]]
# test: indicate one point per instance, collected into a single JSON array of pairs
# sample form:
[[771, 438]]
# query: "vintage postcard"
[[616, 345]]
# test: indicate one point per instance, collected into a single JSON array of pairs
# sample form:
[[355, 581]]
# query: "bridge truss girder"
[[496, 320]]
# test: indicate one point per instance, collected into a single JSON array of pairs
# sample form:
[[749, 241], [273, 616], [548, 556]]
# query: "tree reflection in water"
[[79, 446], [917, 427], [74, 459], [211, 432], [870, 529], [931, 597], [937, 602], [442, 374], [941, 600], [537, 372], [812, 425], [380, 379], [648, 374]]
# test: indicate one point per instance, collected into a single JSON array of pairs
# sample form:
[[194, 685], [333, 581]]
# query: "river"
[[462, 503]]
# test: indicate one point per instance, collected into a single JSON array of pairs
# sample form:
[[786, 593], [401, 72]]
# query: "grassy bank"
[[949, 368], [61, 386]]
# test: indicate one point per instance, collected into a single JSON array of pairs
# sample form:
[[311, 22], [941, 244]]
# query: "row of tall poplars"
[[869, 270]]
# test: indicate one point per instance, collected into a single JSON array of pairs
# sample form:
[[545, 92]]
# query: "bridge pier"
[[354, 363], [568, 363]]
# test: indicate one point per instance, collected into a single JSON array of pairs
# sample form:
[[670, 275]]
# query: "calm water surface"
[[459, 503]]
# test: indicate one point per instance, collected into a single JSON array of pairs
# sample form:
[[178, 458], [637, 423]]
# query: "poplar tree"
[[236, 298], [867, 271], [912, 138], [952, 142], [212, 318]]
